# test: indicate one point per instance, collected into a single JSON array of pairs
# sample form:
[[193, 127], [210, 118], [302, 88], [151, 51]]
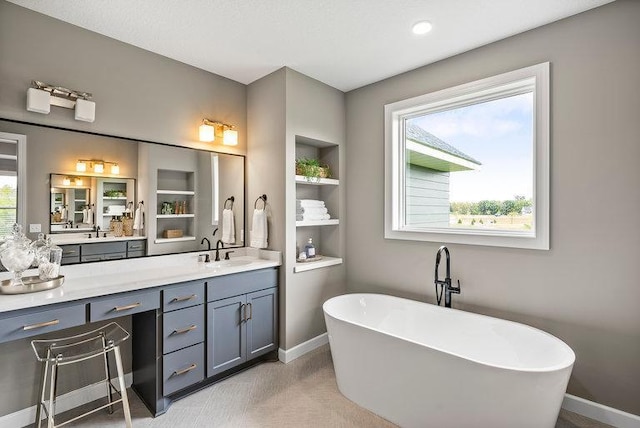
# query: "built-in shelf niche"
[[175, 186], [324, 233]]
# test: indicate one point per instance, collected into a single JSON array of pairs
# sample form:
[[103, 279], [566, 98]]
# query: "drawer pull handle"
[[127, 307], [69, 252], [183, 298], [185, 330], [243, 312], [250, 311], [183, 371], [40, 325]]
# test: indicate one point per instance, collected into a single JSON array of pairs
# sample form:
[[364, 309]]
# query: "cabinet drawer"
[[182, 368], [37, 323], [70, 250], [104, 248], [70, 260], [136, 245], [182, 295], [123, 304], [222, 287], [101, 257], [134, 254], [182, 328]]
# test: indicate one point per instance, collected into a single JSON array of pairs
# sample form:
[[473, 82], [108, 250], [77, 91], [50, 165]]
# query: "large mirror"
[[182, 194]]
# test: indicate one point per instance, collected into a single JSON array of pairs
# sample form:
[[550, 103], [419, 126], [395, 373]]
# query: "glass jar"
[[17, 254], [50, 260]]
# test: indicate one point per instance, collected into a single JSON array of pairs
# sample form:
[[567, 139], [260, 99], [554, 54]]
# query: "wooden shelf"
[[176, 192], [306, 223], [169, 240], [324, 262], [175, 216], [300, 179]]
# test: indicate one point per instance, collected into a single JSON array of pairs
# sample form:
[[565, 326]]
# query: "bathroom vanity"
[[193, 323]]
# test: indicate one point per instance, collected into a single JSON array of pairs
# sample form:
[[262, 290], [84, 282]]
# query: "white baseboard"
[[286, 356], [600, 412], [64, 402]]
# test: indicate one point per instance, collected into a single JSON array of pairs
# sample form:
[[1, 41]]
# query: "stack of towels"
[[311, 210]]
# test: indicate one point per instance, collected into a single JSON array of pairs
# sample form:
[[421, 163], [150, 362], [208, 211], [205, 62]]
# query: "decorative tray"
[[313, 259], [31, 285]]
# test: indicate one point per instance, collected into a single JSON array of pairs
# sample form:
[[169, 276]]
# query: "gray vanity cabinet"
[[244, 326], [100, 251]]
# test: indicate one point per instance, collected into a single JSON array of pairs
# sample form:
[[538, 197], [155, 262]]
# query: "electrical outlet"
[[35, 228]]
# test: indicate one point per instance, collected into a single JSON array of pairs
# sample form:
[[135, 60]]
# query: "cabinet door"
[[226, 339], [262, 326]]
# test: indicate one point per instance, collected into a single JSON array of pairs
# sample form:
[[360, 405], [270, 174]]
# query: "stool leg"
[[107, 374], [43, 385], [52, 394], [123, 387]]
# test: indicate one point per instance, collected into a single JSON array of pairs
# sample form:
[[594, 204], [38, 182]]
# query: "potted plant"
[[312, 169]]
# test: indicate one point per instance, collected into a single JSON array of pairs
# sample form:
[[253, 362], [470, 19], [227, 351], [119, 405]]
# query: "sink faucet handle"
[[226, 256], [207, 258]]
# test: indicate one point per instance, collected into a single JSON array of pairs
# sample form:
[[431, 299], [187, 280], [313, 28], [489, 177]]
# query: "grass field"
[[503, 222]]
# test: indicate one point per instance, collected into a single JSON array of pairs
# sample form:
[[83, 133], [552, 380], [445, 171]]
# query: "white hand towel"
[[312, 210], [138, 219], [85, 217], [314, 217], [63, 214], [228, 227], [89, 216], [259, 229]]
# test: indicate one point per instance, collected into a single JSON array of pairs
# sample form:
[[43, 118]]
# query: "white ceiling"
[[344, 43]]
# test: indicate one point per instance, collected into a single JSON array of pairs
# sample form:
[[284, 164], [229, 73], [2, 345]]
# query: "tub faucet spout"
[[445, 285]]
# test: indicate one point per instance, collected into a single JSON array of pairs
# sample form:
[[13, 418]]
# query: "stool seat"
[[81, 346], [55, 353]]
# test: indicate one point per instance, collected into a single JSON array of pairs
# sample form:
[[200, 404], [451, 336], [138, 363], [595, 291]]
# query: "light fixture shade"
[[207, 133], [230, 137], [115, 169], [38, 101], [66, 181], [78, 181], [85, 110], [98, 167], [81, 166]]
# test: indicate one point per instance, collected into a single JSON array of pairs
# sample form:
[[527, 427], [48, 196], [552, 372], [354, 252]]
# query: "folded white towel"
[[228, 227], [138, 218], [309, 203], [312, 217], [312, 210], [259, 229]]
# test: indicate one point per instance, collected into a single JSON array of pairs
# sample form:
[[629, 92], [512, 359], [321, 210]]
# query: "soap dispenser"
[[309, 249]]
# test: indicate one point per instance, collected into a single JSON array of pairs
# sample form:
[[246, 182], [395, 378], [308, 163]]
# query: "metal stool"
[[68, 350]]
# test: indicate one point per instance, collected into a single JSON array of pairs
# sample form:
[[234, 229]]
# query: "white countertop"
[[81, 238], [89, 280]]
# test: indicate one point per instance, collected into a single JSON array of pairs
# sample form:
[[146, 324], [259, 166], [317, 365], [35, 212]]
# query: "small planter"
[[311, 169]]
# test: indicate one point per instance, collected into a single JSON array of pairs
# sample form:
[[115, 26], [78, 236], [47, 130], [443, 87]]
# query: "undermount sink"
[[227, 263]]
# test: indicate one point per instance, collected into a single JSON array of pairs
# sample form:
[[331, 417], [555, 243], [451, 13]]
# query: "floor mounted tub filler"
[[421, 365]]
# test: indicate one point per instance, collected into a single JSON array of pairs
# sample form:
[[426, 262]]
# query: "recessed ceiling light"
[[422, 27]]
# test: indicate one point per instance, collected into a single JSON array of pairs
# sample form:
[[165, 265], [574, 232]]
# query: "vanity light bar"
[[41, 96], [97, 165], [208, 128]]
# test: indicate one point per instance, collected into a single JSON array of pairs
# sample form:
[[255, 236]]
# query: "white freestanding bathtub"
[[421, 365]]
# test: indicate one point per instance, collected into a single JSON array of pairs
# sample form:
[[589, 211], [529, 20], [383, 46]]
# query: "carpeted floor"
[[300, 394]]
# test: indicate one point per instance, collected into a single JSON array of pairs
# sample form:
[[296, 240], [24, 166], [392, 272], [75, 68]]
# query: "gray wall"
[[138, 94], [266, 120], [585, 289], [317, 111]]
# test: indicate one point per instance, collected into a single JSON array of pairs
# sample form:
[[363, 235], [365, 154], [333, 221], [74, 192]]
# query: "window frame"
[[494, 87], [20, 141]]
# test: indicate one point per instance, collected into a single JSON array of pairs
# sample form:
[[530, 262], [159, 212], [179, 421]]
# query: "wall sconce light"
[[77, 181], [97, 165], [207, 132], [42, 96]]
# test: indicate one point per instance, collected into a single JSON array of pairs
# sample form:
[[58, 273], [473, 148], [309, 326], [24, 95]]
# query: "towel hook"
[[229, 199], [263, 198]]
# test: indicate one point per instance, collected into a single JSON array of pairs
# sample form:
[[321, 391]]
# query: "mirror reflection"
[[182, 194]]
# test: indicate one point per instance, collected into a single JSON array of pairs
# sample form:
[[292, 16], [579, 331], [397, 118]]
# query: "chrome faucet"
[[219, 245], [208, 243], [447, 288]]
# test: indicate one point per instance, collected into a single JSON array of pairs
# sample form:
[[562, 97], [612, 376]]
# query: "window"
[[470, 164], [12, 181]]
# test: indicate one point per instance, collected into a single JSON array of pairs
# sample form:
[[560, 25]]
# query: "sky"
[[499, 134]]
